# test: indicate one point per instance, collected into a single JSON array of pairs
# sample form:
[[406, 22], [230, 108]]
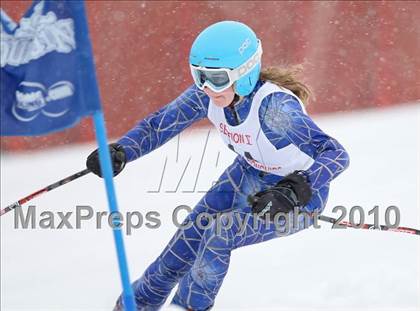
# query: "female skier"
[[284, 166]]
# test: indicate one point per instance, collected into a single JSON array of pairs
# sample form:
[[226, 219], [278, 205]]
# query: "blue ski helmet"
[[230, 45]]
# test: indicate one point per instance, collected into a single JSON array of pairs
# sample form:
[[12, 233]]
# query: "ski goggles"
[[220, 79]]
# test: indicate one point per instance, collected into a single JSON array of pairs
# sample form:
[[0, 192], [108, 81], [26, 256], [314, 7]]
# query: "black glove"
[[292, 191], [117, 158]]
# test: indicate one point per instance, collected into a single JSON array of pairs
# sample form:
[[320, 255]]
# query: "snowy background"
[[324, 269]]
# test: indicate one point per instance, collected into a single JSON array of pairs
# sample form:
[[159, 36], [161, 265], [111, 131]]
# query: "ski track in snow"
[[323, 269]]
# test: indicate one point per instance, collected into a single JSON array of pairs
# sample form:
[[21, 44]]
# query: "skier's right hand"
[[118, 160]]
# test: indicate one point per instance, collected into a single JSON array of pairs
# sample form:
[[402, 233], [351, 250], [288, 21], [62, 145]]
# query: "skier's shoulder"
[[279, 100]]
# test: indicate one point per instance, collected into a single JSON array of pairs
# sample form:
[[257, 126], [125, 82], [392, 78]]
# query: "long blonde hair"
[[287, 78]]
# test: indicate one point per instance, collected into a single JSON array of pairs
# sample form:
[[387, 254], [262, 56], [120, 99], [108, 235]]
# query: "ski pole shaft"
[[369, 226], [43, 190]]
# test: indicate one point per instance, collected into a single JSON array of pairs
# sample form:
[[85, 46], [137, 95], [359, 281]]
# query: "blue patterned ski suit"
[[197, 259]]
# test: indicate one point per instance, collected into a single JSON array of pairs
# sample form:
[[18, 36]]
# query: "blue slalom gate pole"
[[107, 173]]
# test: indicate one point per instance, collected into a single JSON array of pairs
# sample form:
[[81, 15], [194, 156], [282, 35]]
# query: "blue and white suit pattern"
[[197, 259]]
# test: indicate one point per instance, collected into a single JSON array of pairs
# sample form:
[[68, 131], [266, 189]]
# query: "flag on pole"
[[45, 83], [48, 82]]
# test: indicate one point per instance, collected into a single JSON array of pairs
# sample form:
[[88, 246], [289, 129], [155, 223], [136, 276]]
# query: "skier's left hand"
[[292, 191]]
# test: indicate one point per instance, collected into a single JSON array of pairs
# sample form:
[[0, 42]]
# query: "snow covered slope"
[[323, 269]]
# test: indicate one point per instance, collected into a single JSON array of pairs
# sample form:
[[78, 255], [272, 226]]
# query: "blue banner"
[[47, 74], [48, 82]]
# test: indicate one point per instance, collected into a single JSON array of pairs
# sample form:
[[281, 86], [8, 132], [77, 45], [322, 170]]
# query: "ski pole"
[[253, 199], [43, 190], [369, 226]]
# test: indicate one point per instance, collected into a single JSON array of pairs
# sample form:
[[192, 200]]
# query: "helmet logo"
[[245, 68], [244, 46]]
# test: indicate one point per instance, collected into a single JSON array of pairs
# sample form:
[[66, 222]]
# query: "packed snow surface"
[[317, 269]]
